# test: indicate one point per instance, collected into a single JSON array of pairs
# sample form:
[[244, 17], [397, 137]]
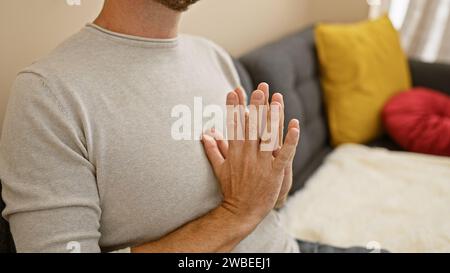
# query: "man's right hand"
[[251, 179]]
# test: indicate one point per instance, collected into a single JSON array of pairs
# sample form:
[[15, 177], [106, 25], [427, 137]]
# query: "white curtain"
[[424, 26]]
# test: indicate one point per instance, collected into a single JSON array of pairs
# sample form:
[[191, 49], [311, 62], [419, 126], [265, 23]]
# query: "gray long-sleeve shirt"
[[87, 156]]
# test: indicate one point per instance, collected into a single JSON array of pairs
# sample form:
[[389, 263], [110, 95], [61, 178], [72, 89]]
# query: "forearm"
[[218, 231]]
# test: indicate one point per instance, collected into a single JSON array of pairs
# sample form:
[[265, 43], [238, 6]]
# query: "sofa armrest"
[[431, 75]]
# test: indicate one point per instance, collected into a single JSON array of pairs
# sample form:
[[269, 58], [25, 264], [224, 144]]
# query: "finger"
[[232, 102], [212, 152], [232, 99], [257, 100], [242, 96], [293, 124], [269, 140], [287, 152], [277, 97], [242, 102], [274, 123], [220, 140], [266, 89]]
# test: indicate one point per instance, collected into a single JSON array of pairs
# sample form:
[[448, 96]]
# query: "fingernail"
[[258, 95], [232, 98], [206, 137], [279, 94]]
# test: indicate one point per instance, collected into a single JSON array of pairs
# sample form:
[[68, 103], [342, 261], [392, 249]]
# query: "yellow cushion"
[[362, 66]]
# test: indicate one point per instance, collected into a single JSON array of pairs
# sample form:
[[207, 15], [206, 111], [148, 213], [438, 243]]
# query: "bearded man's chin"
[[177, 5]]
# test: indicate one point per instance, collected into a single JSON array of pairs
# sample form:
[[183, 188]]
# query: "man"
[[87, 161]]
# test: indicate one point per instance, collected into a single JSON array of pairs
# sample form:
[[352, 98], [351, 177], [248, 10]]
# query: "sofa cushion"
[[362, 66], [419, 120]]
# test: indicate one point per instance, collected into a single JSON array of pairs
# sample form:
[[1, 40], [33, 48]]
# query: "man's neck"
[[141, 18]]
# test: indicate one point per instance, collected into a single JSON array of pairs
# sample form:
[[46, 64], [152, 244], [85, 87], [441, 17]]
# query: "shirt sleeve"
[[49, 185]]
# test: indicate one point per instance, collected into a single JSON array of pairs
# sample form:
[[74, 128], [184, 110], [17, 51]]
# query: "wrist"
[[246, 217]]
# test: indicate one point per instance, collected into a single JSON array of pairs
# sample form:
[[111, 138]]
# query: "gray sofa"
[[290, 66]]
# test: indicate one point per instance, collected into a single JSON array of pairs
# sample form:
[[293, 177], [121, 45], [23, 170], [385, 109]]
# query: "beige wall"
[[241, 25], [31, 28]]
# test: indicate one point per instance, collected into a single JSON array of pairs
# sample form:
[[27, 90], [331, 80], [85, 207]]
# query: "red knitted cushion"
[[419, 121]]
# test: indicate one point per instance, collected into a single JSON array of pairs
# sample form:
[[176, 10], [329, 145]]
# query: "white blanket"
[[365, 196]]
